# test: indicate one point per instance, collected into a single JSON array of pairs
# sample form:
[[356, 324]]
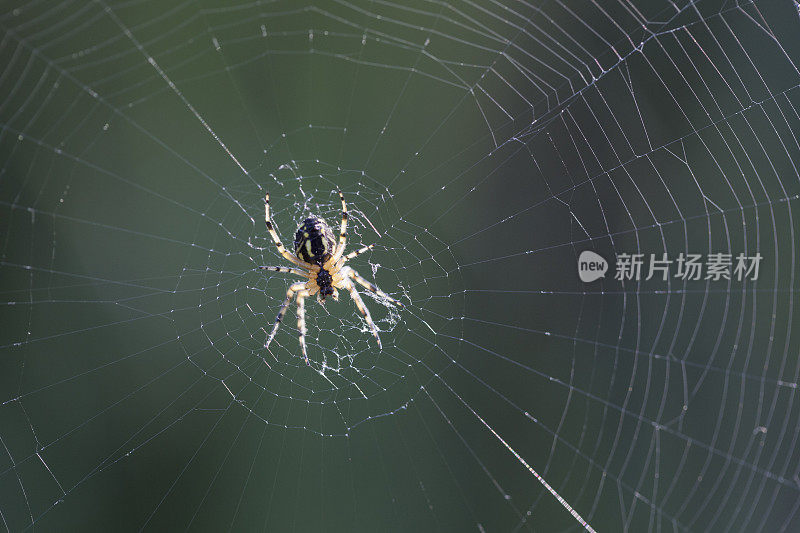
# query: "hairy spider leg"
[[342, 235], [293, 288], [288, 270], [364, 311], [301, 321], [369, 285], [281, 249], [356, 253]]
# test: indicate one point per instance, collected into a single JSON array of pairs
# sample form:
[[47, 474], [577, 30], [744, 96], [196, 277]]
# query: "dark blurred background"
[[481, 146]]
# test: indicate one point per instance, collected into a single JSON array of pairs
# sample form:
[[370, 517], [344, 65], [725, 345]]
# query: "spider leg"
[[356, 253], [369, 285], [281, 249], [293, 288], [337, 254], [301, 321], [288, 270], [364, 311]]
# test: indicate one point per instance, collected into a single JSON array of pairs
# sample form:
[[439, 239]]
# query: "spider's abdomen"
[[313, 242]]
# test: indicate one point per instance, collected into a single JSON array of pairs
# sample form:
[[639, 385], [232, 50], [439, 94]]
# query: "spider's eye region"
[[314, 242]]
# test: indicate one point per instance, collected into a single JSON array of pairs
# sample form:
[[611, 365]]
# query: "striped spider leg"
[[337, 254], [355, 276], [347, 284], [356, 253], [287, 270], [343, 279], [302, 291]]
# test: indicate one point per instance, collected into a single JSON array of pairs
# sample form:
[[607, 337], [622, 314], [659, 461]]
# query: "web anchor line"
[[564, 503], [171, 84]]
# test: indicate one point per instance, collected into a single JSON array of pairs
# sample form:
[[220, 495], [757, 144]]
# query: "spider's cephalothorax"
[[325, 284], [322, 261]]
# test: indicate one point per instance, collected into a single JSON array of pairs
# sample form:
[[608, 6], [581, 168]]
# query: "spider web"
[[481, 146]]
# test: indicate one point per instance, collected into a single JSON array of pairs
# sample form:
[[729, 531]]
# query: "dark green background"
[[481, 146]]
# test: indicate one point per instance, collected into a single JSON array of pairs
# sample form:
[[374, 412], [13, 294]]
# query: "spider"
[[323, 262]]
